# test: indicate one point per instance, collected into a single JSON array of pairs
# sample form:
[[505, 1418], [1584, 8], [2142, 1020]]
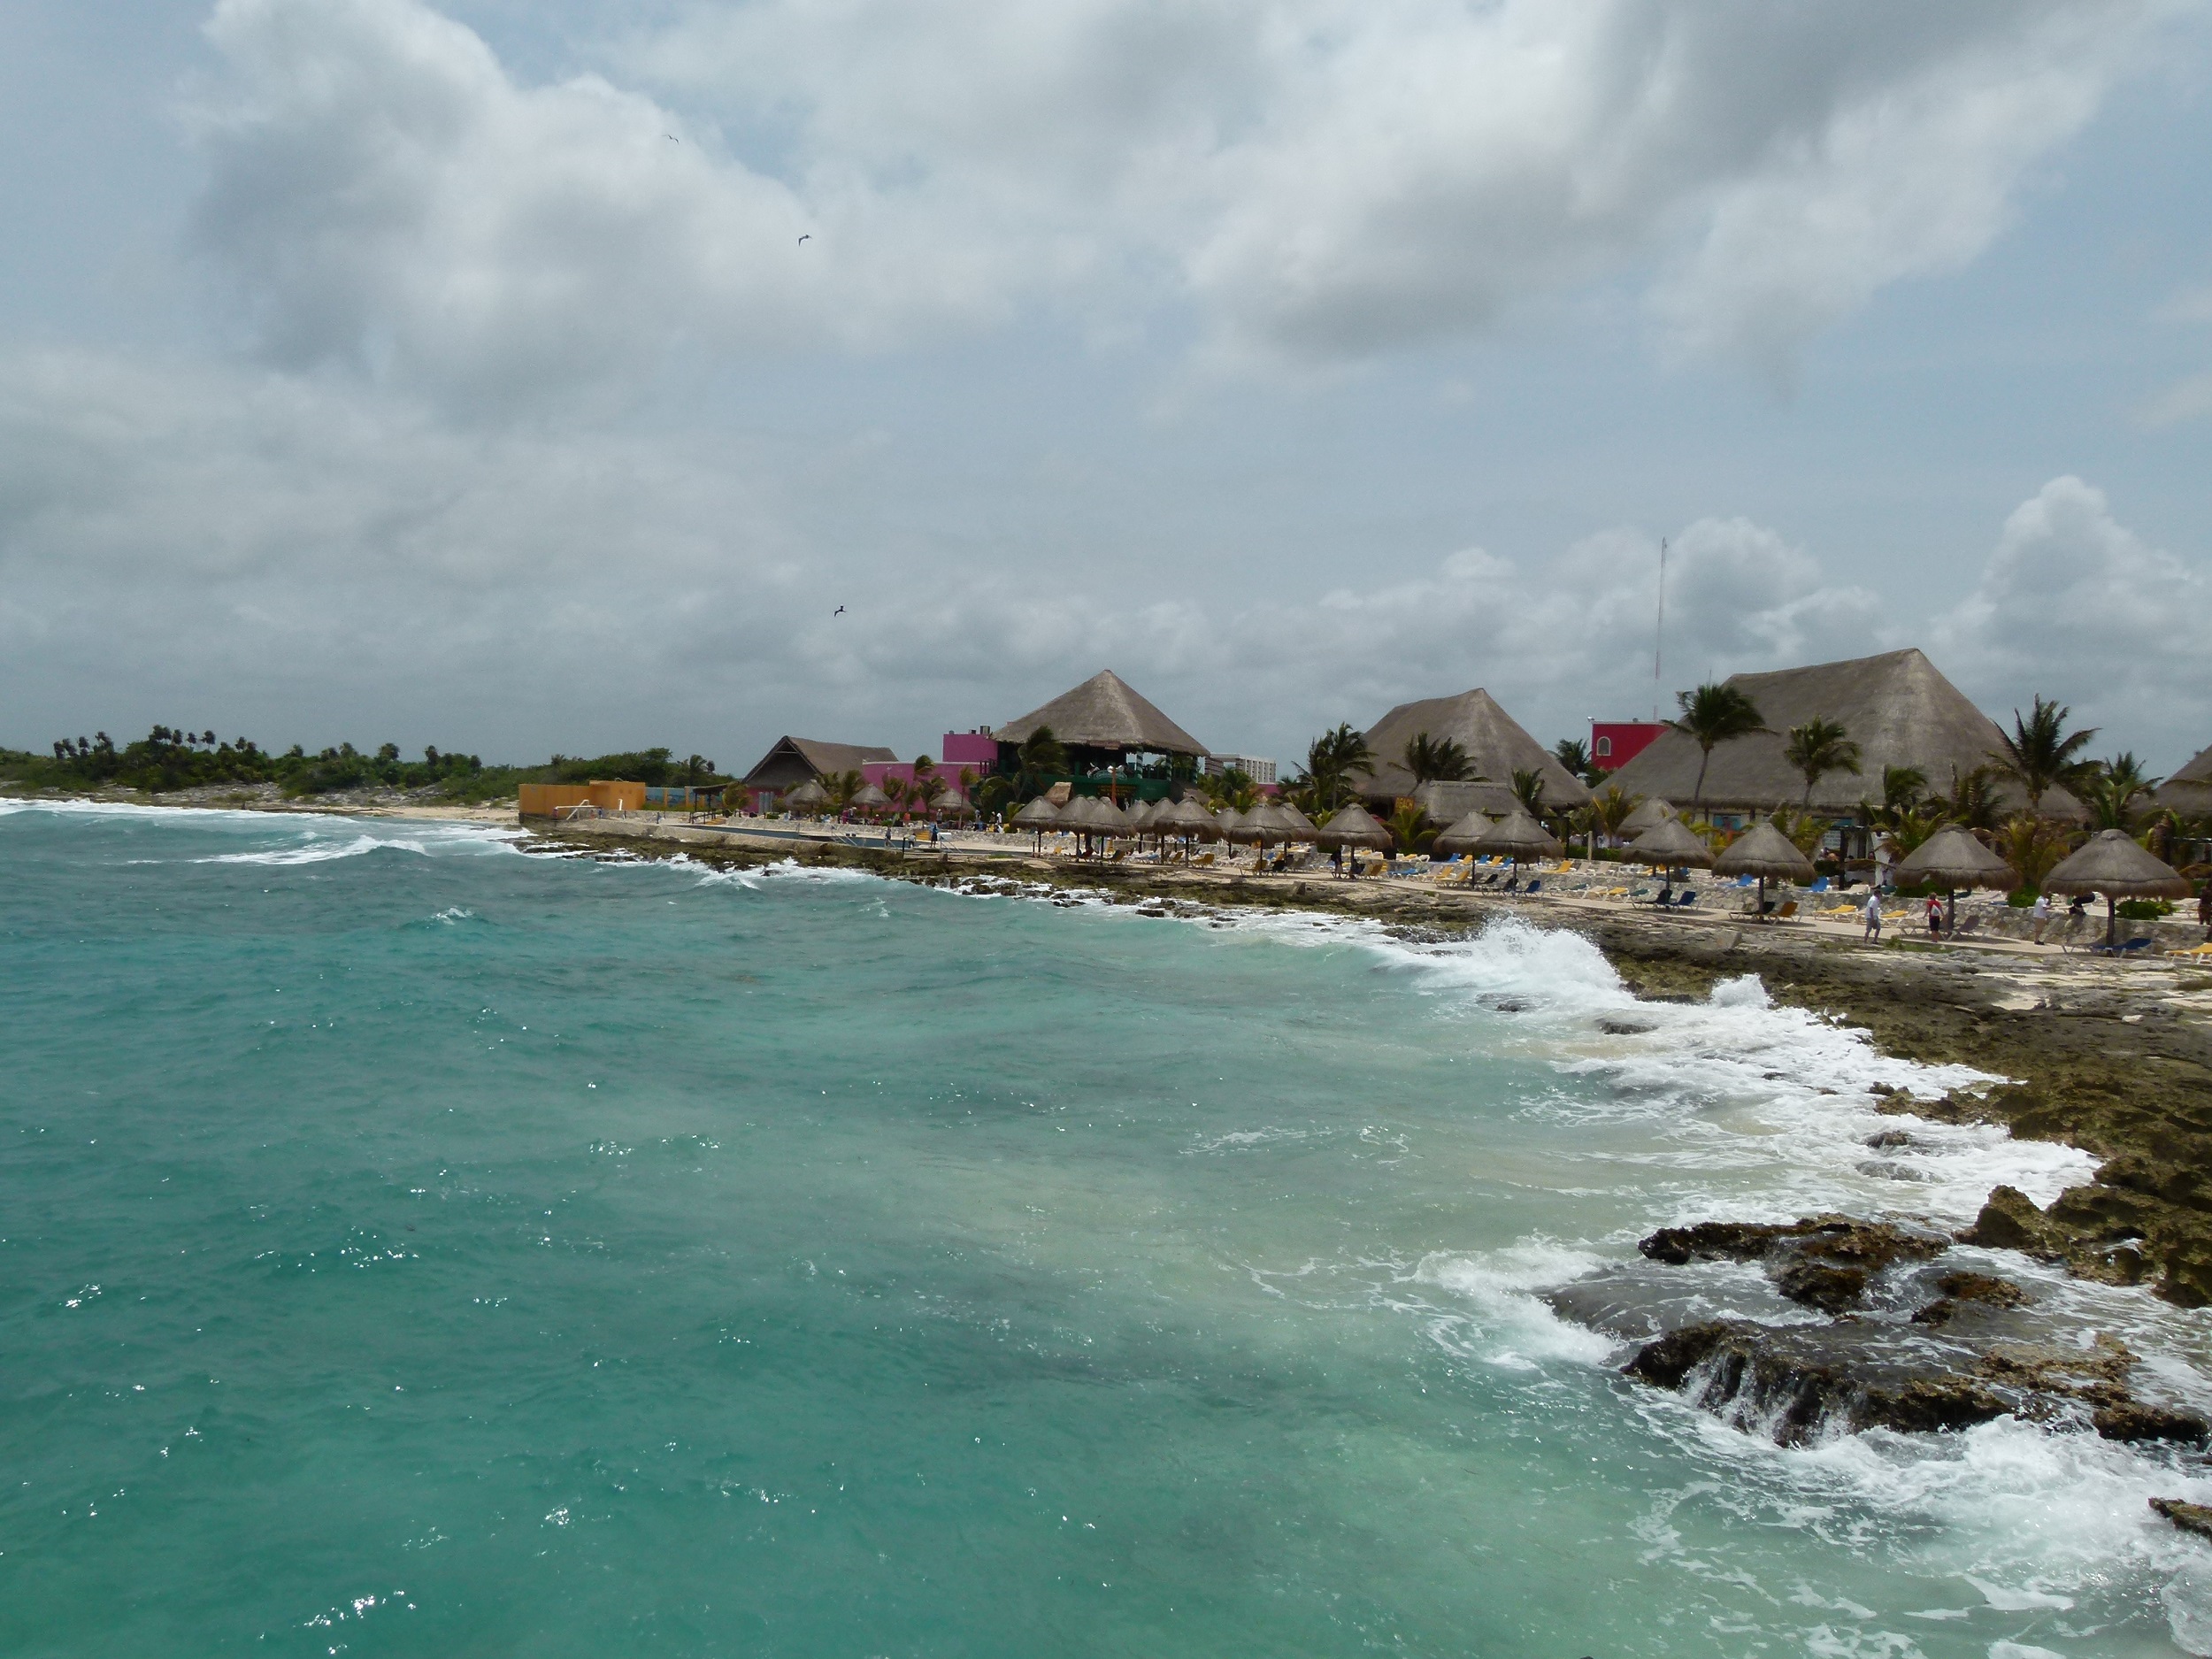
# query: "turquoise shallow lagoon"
[[412, 1245]]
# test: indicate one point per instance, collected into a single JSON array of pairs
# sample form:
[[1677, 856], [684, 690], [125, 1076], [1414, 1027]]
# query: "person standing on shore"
[[2042, 914], [2204, 909], [1874, 916], [1935, 917]]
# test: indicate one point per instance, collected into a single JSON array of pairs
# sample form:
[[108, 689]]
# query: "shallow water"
[[413, 1245]]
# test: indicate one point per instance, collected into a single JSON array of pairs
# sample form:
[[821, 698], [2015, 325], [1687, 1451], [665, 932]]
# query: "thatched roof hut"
[[1650, 815], [1951, 858], [791, 761], [1896, 707], [1670, 843], [1189, 817], [1763, 851], [808, 797], [870, 799], [2189, 791], [1496, 745], [1449, 803], [1038, 815], [1104, 712], [1353, 826], [2114, 866]]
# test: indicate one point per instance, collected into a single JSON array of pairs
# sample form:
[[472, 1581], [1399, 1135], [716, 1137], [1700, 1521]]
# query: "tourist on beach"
[[2042, 914], [1874, 916], [1935, 917], [1336, 860], [2204, 908]]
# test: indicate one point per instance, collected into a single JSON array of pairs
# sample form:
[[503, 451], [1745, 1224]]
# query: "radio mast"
[[1659, 632]]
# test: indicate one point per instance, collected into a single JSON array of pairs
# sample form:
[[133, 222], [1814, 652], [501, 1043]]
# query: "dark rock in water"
[[2010, 1221], [1889, 1138], [1890, 1170], [1624, 1028], [2189, 1517], [2136, 1420], [1825, 1262], [1959, 1288]]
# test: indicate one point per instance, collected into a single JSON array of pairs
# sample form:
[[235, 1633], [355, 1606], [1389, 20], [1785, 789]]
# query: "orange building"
[[559, 799]]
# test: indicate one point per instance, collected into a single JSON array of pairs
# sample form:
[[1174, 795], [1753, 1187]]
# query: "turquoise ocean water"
[[412, 1245]]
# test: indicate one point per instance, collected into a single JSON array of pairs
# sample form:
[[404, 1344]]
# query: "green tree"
[[1574, 754], [1333, 760], [1972, 803], [2039, 754], [2031, 845], [1817, 747], [1528, 788], [1410, 829], [1436, 759], [2109, 790], [1713, 715], [1611, 807]]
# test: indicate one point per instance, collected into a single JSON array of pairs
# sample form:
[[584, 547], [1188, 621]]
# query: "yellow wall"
[[552, 799]]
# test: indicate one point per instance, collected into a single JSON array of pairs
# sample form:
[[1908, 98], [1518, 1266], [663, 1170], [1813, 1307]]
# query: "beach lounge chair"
[[1686, 901], [1786, 911], [1820, 886], [2126, 948], [1536, 886]]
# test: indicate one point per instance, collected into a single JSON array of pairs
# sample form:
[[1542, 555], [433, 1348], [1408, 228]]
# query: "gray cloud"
[[1320, 179]]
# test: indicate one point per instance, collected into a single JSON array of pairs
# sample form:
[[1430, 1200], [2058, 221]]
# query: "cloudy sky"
[[457, 374]]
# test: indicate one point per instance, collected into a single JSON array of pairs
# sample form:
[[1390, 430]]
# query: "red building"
[[1614, 744]]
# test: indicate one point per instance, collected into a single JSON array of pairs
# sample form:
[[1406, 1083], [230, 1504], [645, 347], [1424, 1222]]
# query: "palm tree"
[[1042, 757], [1410, 829], [1801, 829], [1332, 759], [1713, 715], [2110, 789], [2040, 754], [1528, 788], [1972, 803], [2032, 846], [1438, 759], [1574, 754], [1611, 807], [842, 786], [1817, 747]]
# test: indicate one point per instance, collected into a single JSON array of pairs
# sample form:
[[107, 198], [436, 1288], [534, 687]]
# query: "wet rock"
[[1889, 1138], [1961, 1288], [1890, 1170], [2138, 1420], [2010, 1220], [1825, 1262], [2189, 1517], [1624, 1028]]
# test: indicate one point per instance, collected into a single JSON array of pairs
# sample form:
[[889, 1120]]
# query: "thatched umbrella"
[[1649, 815], [1461, 836], [1040, 815], [1762, 851], [872, 799], [1140, 816], [1517, 836], [1669, 844], [2114, 866], [1273, 820], [1951, 858], [809, 796], [1235, 825], [1352, 826], [1300, 826], [1190, 819]]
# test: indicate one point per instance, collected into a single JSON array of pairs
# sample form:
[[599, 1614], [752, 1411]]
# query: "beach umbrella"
[[1951, 858], [1352, 827], [1190, 818], [1301, 826], [872, 799], [1140, 816], [1274, 820], [1460, 837], [1650, 815], [1517, 836], [1670, 843], [1235, 825], [1762, 851], [1039, 816], [2114, 866], [808, 797]]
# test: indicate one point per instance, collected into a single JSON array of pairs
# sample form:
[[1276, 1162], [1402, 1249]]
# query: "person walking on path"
[[2204, 911], [1874, 916], [2042, 914]]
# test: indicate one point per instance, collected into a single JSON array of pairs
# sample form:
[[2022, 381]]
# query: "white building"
[[1258, 769]]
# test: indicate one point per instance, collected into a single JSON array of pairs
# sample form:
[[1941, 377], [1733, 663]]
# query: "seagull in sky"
[[672, 138], [838, 612], [802, 240]]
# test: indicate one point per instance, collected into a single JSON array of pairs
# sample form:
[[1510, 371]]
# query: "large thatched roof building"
[[1496, 747], [2189, 791], [1896, 707], [1104, 716], [795, 760]]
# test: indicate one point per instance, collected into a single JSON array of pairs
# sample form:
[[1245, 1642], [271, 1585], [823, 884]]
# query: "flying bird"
[[672, 138], [803, 238], [839, 612]]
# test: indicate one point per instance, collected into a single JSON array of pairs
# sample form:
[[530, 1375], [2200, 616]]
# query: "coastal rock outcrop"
[[1908, 1343]]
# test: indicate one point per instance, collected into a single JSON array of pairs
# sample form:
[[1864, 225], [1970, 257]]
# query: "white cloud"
[[1320, 179]]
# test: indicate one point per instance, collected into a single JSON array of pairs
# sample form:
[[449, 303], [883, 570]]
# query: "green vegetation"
[[1713, 715], [1438, 760], [1817, 747], [166, 760], [2039, 754], [1574, 754]]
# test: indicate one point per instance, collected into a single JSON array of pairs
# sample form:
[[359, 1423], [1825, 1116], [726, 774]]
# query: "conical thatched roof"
[[807, 796], [1460, 836], [1953, 858], [1449, 803], [1496, 747], [1190, 817], [1299, 825], [1670, 842], [1896, 707], [1353, 826], [1516, 835], [1274, 820], [869, 798], [1650, 815], [1764, 850], [2114, 866], [1104, 712], [1038, 814], [2189, 791], [1096, 812], [1142, 814]]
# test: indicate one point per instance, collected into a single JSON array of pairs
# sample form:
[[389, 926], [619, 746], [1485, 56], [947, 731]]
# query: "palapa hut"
[[808, 797], [792, 761], [1100, 722], [2114, 866], [2188, 793], [1670, 845], [1496, 747], [1763, 851], [1352, 826], [1037, 817], [870, 799], [1896, 707], [1190, 819], [1951, 858], [1649, 815]]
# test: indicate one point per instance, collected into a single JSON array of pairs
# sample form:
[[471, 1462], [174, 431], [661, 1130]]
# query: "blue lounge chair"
[[1537, 886], [1820, 886], [1686, 901]]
